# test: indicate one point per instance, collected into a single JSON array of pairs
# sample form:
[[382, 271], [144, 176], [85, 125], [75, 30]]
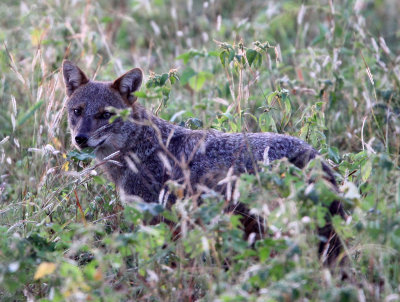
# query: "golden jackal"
[[149, 151]]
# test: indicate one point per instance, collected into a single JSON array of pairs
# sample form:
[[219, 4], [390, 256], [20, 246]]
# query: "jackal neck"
[[155, 127]]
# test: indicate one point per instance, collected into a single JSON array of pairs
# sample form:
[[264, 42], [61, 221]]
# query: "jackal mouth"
[[102, 142], [97, 143], [98, 138]]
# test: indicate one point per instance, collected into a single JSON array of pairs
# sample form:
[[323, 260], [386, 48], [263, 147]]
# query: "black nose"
[[81, 140]]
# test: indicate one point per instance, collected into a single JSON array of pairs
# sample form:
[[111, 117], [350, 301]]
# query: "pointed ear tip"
[[65, 61], [67, 64], [137, 70]]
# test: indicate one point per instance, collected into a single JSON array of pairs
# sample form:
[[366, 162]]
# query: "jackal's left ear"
[[73, 76], [128, 83]]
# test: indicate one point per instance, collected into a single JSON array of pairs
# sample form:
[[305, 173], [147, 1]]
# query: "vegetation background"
[[325, 71]]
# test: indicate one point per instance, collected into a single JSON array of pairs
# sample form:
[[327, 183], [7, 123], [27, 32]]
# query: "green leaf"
[[157, 80], [333, 153], [267, 123], [251, 54], [288, 106], [107, 19], [258, 60], [140, 94], [271, 97], [152, 207], [223, 55], [231, 55], [190, 55], [366, 170], [196, 82], [80, 155], [186, 75], [321, 215], [350, 190], [163, 79], [193, 123], [99, 180], [264, 253], [170, 216], [173, 78], [213, 53]]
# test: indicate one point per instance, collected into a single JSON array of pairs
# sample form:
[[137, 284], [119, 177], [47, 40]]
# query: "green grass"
[[325, 71]]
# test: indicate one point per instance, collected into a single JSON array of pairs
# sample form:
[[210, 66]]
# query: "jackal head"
[[87, 105]]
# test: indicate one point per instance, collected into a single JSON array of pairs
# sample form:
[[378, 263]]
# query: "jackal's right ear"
[[128, 83], [73, 76]]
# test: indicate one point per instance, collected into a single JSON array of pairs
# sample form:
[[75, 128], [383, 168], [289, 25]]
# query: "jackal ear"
[[128, 83], [73, 76]]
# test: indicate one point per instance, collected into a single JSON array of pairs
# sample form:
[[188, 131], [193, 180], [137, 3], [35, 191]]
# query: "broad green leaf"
[[187, 56], [366, 170], [163, 79], [196, 82], [223, 55], [186, 75], [288, 106], [267, 123], [251, 54], [271, 97]]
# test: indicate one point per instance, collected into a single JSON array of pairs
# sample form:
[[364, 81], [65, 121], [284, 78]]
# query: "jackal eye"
[[78, 111], [106, 115]]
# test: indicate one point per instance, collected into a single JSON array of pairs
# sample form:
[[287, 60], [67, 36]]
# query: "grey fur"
[[152, 151]]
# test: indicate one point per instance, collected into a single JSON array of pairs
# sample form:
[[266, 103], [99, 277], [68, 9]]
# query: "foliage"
[[327, 71]]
